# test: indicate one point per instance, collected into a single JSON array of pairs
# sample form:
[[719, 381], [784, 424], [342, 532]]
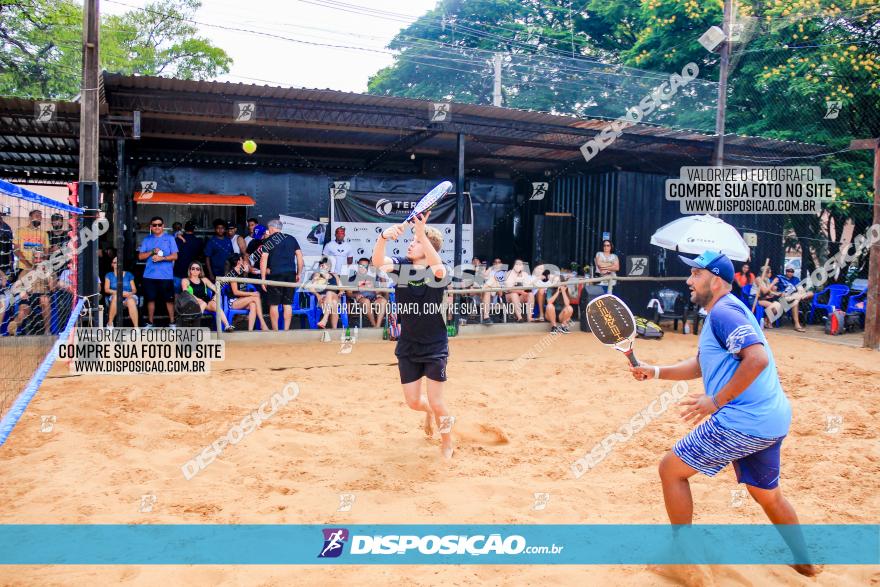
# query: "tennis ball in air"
[[249, 147]]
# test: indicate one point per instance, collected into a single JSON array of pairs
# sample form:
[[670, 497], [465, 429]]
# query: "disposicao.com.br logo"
[[454, 544]]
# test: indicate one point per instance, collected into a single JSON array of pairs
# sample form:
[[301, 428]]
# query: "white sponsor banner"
[[362, 238]]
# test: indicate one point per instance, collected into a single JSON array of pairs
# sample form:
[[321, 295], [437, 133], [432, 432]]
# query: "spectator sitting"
[[768, 291], [607, 263], [217, 250], [32, 291], [189, 248], [373, 304], [519, 278], [328, 300], [541, 276], [793, 296], [129, 294], [742, 278], [196, 284], [30, 246], [493, 277], [559, 309], [241, 298]]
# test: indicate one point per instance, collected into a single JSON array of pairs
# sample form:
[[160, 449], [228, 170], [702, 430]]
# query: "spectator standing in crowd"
[[339, 252], [251, 224], [189, 248], [129, 294], [31, 241], [176, 229], [238, 244], [607, 263], [244, 297], [254, 250], [519, 278], [7, 238], [217, 250], [282, 260], [59, 234], [159, 250], [200, 287]]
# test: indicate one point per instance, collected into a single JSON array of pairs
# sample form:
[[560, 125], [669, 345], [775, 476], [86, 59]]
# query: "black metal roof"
[[193, 122]]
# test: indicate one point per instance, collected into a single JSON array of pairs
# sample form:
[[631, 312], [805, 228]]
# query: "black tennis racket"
[[613, 324]]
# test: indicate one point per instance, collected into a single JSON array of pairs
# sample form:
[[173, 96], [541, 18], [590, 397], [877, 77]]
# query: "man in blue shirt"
[[159, 251], [218, 250], [748, 413]]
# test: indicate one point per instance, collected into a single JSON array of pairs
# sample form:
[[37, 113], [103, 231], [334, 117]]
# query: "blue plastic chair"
[[853, 302], [311, 312], [836, 293]]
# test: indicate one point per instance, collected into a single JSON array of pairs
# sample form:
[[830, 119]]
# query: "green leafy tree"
[[41, 45]]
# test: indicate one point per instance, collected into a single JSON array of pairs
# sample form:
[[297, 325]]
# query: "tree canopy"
[[41, 45]]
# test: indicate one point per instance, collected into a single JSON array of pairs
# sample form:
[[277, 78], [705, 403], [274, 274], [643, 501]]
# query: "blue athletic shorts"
[[709, 447]]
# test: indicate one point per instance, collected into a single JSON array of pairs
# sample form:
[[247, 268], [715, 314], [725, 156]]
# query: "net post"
[[89, 195]]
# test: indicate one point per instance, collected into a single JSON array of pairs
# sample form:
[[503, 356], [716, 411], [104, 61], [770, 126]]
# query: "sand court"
[[347, 442]]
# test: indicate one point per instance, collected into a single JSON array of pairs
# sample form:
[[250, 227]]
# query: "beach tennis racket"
[[613, 324], [430, 199]]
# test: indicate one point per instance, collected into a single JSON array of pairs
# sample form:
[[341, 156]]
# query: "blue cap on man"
[[712, 261]]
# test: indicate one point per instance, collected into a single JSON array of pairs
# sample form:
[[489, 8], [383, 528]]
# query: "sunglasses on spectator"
[[156, 224], [195, 268]]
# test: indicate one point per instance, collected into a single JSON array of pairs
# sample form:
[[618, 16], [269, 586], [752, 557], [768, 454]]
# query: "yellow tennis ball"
[[249, 147]]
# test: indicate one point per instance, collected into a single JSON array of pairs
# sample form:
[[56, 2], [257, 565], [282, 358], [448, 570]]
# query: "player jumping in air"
[[423, 347], [748, 413]]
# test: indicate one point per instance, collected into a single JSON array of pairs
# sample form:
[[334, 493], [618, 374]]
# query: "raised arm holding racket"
[[422, 347]]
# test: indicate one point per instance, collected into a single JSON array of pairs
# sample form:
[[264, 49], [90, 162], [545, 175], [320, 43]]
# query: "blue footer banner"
[[438, 544]]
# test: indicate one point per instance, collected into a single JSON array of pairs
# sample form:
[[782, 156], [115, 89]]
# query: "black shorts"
[[413, 369], [280, 295], [158, 289]]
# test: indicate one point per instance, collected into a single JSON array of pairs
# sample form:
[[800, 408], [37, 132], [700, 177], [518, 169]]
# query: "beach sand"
[[118, 438]]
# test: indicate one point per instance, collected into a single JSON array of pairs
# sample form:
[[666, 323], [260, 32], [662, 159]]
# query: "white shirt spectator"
[[339, 252]]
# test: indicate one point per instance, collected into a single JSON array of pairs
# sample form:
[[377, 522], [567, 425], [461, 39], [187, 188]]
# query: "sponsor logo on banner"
[[384, 207]]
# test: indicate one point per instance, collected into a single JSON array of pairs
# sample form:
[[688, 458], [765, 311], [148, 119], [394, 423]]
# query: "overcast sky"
[[264, 60]]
